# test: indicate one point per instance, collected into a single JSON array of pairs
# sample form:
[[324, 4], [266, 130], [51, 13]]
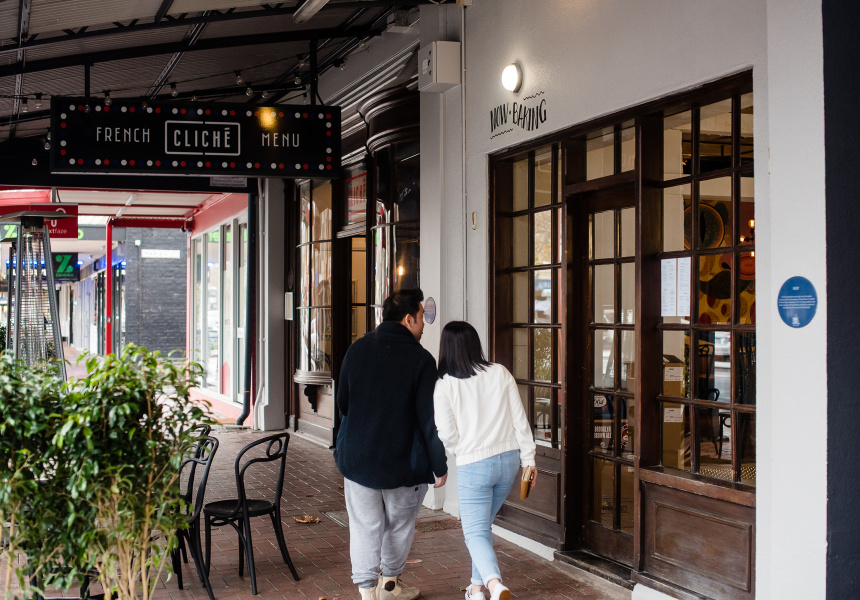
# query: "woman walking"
[[480, 419]]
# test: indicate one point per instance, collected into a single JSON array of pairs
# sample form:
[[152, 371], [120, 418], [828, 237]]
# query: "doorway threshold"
[[597, 565]]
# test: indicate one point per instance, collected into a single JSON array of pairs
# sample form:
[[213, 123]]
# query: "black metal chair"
[[201, 430], [238, 512], [202, 455]]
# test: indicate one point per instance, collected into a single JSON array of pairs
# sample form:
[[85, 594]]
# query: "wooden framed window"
[[708, 302]]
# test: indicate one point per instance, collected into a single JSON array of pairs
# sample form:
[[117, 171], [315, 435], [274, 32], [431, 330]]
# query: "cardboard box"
[[674, 379]]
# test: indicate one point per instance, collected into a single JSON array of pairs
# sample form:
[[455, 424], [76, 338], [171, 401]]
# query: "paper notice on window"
[[673, 415], [684, 286], [673, 373], [668, 287]]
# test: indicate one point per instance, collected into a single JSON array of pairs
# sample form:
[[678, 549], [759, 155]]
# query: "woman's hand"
[[530, 472]]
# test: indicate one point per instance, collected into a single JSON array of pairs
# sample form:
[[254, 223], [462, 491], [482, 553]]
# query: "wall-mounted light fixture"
[[512, 78]]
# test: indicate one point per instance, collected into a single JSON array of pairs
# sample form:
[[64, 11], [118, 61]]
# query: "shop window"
[[708, 259], [530, 275], [394, 236], [314, 310], [215, 308]]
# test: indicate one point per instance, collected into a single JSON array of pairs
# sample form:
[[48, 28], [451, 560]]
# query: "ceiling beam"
[[191, 37], [60, 62], [23, 32], [213, 17], [161, 12]]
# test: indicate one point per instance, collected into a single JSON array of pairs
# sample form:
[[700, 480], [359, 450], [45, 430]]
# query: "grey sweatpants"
[[381, 529]]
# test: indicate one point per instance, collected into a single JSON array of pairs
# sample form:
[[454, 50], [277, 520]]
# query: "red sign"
[[57, 228]]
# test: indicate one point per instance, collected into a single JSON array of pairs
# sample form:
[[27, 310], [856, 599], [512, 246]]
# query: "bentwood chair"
[[201, 456], [238, 512]]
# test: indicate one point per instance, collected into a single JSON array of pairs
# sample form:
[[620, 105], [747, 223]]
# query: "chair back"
[[275, 450], [186, 490], [202, 455]]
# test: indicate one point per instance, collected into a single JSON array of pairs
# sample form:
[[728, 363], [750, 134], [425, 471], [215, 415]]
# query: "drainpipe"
[[250, 279], [108, 286]]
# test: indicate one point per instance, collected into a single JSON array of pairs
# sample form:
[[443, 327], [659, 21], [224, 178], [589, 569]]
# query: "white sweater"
[[482, 416]]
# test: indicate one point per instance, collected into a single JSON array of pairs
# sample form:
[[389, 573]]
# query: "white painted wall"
[[792, 423]]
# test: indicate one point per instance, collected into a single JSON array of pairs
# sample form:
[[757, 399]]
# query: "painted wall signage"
[[156, 253], [193, 138], [527, 114], [797, 302], [66, 267]]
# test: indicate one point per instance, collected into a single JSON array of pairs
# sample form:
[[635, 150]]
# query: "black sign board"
[[66, 266], [194, 138]]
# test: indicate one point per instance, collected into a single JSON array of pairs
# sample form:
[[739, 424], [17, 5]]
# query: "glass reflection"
[[543, 177], [715, 213], [520, 241], [746, 446], [676, 436], [521, 184], [676, 363], [745, 359], [305, 213], [320, 339], [715, 288], [406, 257], [322, 211], [520, 282], [543, 296], [625, 484], [677, 204], [713, 366], [714, 448], [213, 299], [604, 359], [746, 289], [628, 147], [604, 294], [677, 145], [602, 424], [304, 276], [304, 335], [521, 353], [407, 179], [747, 129], [715, 136], [603, 488], [359, 322], [542, 360], [600, 153], [604, 235], [747, 209], [628, 231], [542, 238], [628, 361], [381, 265], [321, 275], [542, 425], [626, 408], [628, 292]]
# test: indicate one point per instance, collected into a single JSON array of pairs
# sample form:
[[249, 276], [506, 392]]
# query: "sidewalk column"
[[108, 285]]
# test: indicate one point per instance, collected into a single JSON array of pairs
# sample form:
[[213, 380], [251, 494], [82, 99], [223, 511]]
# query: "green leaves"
[[102, 450]]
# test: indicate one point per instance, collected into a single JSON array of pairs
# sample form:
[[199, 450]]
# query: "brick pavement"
[[320, 552]]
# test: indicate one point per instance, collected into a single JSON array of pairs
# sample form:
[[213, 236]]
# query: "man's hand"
[[441, 481]]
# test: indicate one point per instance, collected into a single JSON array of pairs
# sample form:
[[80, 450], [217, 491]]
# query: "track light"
[[24, 107], [249, 90], [108, 100], [38, 101], [307, 10], [239, 80], [173, 91]]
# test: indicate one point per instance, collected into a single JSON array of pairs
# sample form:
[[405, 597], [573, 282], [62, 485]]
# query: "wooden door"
[[604, 233]]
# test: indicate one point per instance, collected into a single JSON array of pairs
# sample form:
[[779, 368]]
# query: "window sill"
[[687, 482]]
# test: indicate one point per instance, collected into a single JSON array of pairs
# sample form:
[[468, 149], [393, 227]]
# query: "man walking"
[[387, 447]]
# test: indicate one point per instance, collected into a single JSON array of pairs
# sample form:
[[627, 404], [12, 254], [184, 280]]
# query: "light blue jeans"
[[483, 487]]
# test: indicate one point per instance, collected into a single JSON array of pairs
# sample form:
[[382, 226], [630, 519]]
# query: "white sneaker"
[[391, 588], [367, 593], [477, 596], [500, 593]]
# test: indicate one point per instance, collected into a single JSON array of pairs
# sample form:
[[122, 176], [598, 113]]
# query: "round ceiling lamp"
[[512, 78]]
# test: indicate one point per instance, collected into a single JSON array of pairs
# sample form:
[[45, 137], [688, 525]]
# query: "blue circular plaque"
[[429, 310], [797, 302]]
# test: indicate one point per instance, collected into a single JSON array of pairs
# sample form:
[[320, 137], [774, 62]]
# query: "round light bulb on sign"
[[512, 78]]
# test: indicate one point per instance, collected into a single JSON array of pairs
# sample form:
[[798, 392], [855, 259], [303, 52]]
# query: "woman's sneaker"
[[477, 596], [500, 592]]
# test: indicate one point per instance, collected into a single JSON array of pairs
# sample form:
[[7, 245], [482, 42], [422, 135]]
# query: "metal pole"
[[250, 305], [108, 286], [9, 303], [18, 266]]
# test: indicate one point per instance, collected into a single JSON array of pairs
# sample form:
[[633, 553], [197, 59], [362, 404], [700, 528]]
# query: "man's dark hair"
[[460, 352], [402, 303]]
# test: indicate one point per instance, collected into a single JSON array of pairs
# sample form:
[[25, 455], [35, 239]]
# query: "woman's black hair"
[[460, 353]]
